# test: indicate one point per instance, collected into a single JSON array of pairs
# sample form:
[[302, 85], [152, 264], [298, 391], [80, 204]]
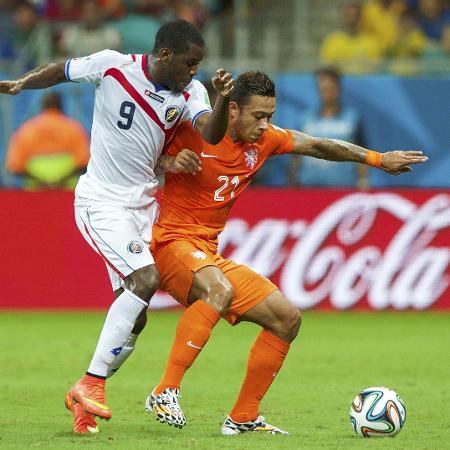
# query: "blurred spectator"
[[63, 10], [432, 17], [380, 18], [331, 120], [32, 37], [6, 30], [49, 150], [90, 35], [350, 49], [407, 48], [194, 11], [138, 30], [436, 57], [112, 9]]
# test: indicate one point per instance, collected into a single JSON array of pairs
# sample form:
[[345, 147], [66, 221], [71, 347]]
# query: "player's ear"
[[166, 55], [234, 110]]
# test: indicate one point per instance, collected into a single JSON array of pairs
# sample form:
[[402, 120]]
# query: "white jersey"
[[133, 120]]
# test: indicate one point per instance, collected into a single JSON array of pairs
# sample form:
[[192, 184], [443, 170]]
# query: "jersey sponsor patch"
[[172, 112], [134, 247], [154, 96]]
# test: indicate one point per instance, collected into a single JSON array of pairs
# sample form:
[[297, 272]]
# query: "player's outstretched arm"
[[42, 77], [185, 161], [212, 127], [393, 162]]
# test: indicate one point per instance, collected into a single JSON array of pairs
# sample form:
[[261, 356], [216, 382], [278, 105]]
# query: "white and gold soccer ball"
[[377, 412]]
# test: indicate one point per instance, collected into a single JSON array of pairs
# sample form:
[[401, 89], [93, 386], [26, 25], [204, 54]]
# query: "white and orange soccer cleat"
[[89, 392], [166, 407], [230, 427], [83, 422]]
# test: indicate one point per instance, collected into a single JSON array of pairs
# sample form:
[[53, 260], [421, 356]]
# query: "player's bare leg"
[[210, 297], [281, 322], [89, 392]]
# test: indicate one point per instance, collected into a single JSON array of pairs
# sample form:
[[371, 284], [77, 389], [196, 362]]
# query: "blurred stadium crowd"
[[399, 37]]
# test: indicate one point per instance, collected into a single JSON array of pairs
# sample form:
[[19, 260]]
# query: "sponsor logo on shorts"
[[198, 255], [134, 247], [172, 112]]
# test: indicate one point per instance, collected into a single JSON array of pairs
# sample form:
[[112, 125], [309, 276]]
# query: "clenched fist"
[[223, 82]]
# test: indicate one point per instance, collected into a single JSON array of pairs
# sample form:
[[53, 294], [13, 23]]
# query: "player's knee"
[[220, 297], [295, 322], [143, 282], [289, 325]]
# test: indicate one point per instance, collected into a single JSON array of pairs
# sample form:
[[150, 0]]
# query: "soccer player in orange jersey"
[[194, 209]]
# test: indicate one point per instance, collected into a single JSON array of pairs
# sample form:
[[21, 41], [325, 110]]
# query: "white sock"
[[118, 324], [127, 349]]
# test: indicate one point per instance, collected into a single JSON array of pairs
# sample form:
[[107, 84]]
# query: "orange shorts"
[[178, 260]]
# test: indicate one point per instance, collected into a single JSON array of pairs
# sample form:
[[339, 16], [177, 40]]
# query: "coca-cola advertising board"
[[325, 249]]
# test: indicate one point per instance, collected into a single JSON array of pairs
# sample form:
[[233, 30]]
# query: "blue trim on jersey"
[[160, 87], [96, 232], [203, 111], [66, 69]]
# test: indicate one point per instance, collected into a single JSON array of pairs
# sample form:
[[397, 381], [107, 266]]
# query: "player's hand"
[[399, 161], [186, 161], [10, 87], [223, 82]]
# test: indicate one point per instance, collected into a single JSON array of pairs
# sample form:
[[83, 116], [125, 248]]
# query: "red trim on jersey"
[[120, 77], [145, 66], [133, 57], [110, 264], [186, 95]]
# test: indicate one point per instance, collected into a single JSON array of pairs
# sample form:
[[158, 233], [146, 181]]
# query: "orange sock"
[[193, 331], [265, 360]]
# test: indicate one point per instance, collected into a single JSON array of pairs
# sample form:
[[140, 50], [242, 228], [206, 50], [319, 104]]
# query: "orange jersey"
[[196, 207]]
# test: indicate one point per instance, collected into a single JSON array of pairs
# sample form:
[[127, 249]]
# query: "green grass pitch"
[[335, 355]]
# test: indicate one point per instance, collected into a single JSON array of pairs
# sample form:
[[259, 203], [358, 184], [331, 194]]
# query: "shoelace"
[[170, 397]]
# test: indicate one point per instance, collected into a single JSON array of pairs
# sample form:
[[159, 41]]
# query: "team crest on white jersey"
[[135, 247], [172, 112], [199, 255], [251, 157]]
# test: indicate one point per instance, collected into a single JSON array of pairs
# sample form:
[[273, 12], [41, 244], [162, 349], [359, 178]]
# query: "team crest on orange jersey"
[[251, 157]]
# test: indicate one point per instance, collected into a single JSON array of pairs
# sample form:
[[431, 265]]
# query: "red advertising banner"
[[325, 249]]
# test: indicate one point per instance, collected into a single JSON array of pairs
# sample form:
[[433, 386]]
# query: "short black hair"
[[52, 100], [178, 36], [329, 71], [251, 83]]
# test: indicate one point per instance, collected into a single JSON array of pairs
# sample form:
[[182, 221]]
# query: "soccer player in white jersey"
[[139, 102]]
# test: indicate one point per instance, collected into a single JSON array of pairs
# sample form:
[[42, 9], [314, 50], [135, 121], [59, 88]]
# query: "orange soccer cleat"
[[83, 422], [89, 393]]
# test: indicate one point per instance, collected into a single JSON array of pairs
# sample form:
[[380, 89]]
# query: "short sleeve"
[[16, 156], [185, 137], [197, 103], [281, 140], [92, 67]]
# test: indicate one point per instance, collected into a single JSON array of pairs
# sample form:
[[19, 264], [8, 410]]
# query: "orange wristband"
[[374, 158]]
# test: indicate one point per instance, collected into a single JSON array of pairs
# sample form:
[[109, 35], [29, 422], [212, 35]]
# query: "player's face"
[[252, 120], [182, 67], [328, 89]]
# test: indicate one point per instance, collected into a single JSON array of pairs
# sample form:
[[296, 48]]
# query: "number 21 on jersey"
[[219, 195]]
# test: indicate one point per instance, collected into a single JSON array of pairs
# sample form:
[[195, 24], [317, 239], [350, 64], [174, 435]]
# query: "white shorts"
[[120, 235]]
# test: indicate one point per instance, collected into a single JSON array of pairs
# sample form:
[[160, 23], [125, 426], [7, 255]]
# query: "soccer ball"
[[377, 412]]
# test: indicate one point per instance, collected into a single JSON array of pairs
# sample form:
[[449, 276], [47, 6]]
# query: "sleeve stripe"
[[66, 70], [203, 111]]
